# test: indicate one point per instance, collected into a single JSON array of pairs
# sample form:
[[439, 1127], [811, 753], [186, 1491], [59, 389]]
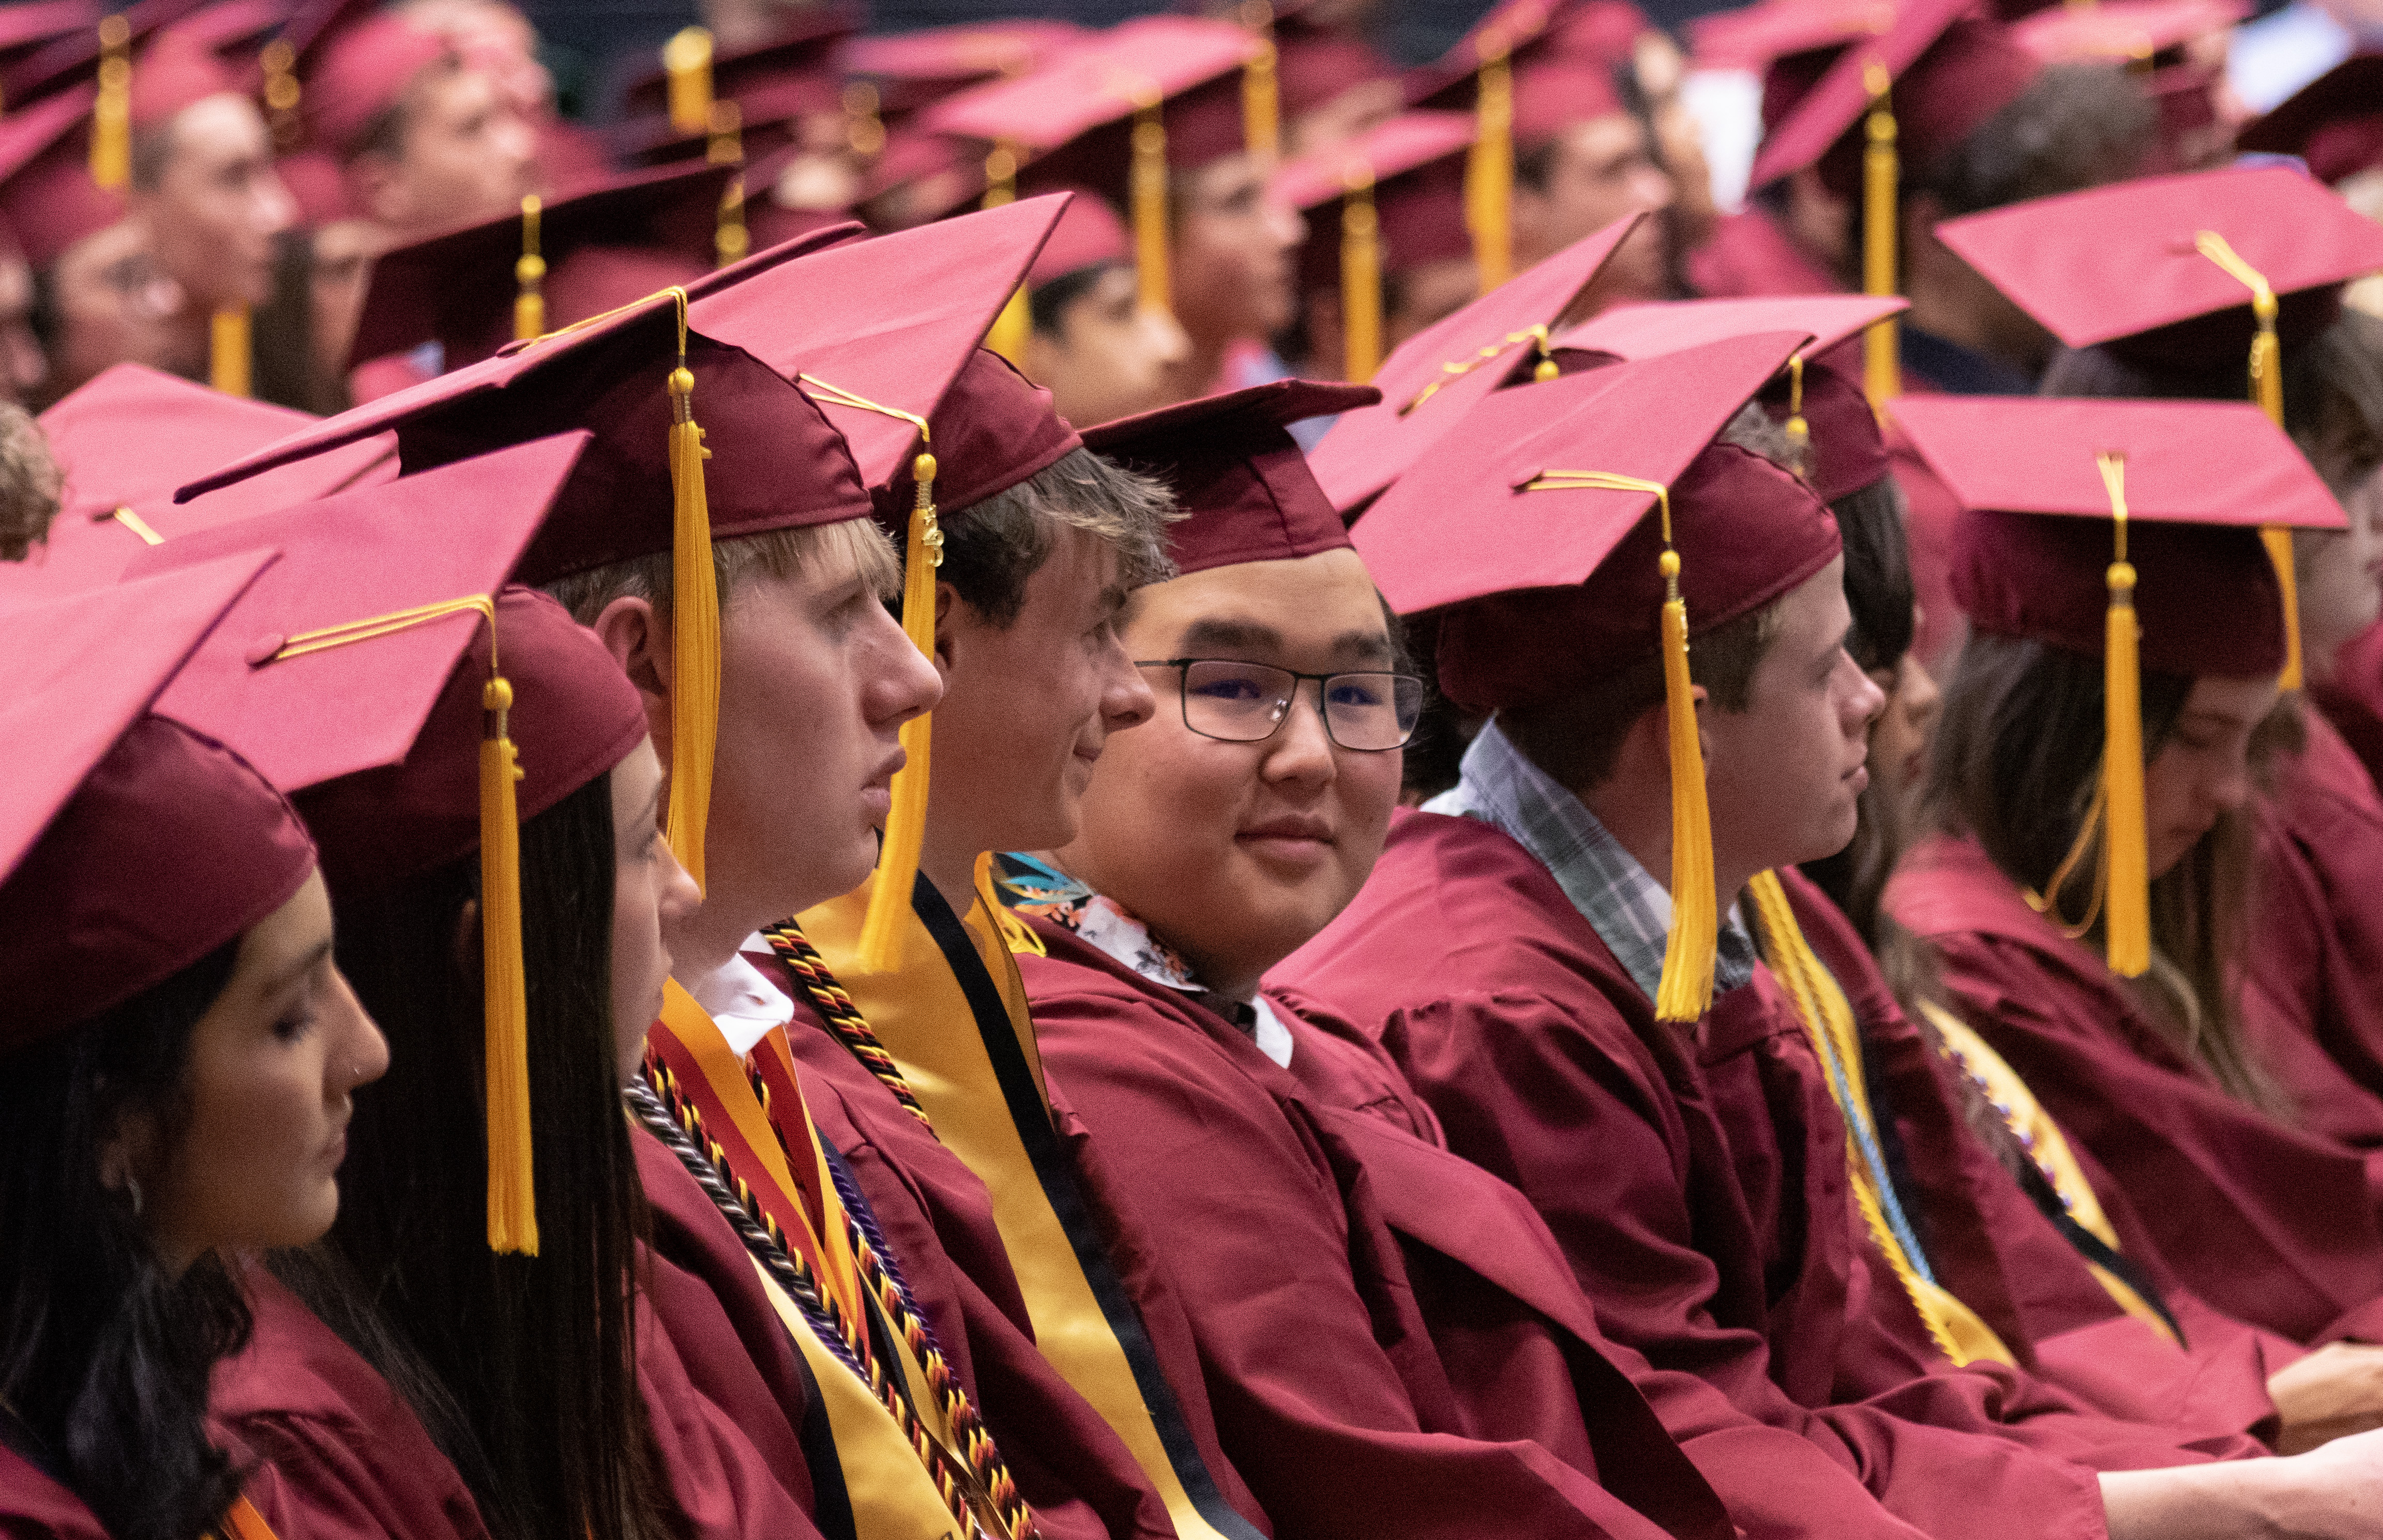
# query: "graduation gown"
[[1751, 256], [2352, 698], [1331, 1397], [2313, 973], [1543, 1061], [2274, 1226], [1021, 1199], [34, 1507], [337, 1452]]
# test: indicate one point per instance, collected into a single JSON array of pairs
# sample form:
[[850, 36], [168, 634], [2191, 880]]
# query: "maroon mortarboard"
[[130, 847], [175, 71], [1843, 449], [2162, 269], [71, 57], [914, 69], [1506, 29], [419, 710], [1238, 478], [24, 27], [2125, 531], [1434, 377], [1379, 204], [233, 28], [46, 193], [2335, 122], [792, 71], [992, 429], [1950, 70], [361, 70], [1571, 528], [1606, 31], [1634, 331], [1751, 37], [1316, 66], [2124, 32], [1088, 233], [596, 250], [128, 437]]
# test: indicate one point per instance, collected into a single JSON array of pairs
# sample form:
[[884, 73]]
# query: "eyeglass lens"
[[1245, 703]]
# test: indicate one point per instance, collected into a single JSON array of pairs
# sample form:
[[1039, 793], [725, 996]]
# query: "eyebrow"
[[284, 981], [1368, 647]]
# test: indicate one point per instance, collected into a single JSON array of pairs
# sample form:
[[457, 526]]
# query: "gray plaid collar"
[[1628, 909]]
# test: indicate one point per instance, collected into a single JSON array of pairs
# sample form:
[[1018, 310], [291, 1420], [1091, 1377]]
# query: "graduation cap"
[[792, 72], [1153, 95], [2147, 34], [913, 69], [47, 196], [1377, 205], [1904, 96], [356, 64], [81, 55], [2335, 122], [1530, 527], [2125, 528], [24, 27], [130, 847], [1824, 413], [1525, 78], [1434, 377], [1243, 485], [1752, 37], [2184, 273], [874, 331], [348, 656], [124, 439], [552, 264]]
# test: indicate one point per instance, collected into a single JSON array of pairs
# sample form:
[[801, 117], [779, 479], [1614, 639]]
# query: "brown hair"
[[2015, 761], [993, 546], [778, 553], [30, 484]]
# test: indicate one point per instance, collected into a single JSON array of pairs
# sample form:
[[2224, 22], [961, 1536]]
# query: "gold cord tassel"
[[729, 238], [1015, 322], [1361, 274], [1687, 988], [695, 622], [906, 825], [2267, 390], [686, 63], [1261, 97], [111, 117], [529, 275], [513, 1200], [1150, 204], [864, 130], [283, 93], [1799, 432], [2128, 905], [1489, 169], [1882, 371], [229, 354]]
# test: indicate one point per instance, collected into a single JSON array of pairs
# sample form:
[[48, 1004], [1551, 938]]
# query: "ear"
[[639, 640], [376, 189], [467, 938], [1705, 708], [949, 612]]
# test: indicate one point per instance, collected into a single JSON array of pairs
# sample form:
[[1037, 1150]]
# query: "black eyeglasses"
[[1245, 703]]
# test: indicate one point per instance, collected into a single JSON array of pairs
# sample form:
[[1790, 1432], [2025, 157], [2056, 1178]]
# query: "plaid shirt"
[[1628, 909]]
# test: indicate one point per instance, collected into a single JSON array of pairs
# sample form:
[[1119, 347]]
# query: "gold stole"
[[886, 1480], [2040, 1139], [1836, 1043], [944, 1043]]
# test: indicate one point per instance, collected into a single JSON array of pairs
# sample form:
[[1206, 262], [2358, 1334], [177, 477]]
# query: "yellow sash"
[[944, 1043], [894, 1495], [1836, 1041], [2040, 1137]]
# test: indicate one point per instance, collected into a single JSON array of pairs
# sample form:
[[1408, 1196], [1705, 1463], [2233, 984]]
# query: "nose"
[[1652, 187], [1164, 337], [1916, 691], [1867, 700], [24, 361], [2228, 786], [1126, 698], [679, 897], [516, 144], [276, 210], [1286, 224], [1301, 752], [360, 1053], [904, 683]]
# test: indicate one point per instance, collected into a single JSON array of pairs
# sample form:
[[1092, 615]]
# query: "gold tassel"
[[906, 825], [2129, 901], [686, 61], [282, 95], [1150, 203], [1261, 97], [2267, 390], [512, 1195], [111, 114], [1799, 432], [529, 274], [1000, 174], [229, 354], [729, 238], [1011, 329], [1489, 169], [864, 130], [1882, 371], [695, 621], [1361, 274]]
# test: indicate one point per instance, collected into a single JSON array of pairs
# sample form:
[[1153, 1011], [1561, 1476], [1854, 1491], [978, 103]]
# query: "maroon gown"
[[33, 1507], [2313, 987], [1312, 1307], [937, 1218], [2273, 1224], [1712, 1226], [2352, 698]]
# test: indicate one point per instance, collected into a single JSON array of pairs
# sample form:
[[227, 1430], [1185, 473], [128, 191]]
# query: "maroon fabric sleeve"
[[723, 1489]]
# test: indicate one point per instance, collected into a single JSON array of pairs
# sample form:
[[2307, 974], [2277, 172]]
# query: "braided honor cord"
[[679, 1125], [843, 1017]]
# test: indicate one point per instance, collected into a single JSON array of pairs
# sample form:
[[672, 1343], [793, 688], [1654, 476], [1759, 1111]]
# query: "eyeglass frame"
[[1183, 698]]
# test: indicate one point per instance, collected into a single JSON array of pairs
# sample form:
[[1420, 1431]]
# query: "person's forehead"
[[1302, 600]]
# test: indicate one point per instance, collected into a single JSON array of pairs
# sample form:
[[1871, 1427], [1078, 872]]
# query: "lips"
[[1308, 830]]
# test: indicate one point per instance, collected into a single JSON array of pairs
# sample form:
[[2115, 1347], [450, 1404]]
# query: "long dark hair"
[[538, 1354], [104, 1355], [2014, 765]]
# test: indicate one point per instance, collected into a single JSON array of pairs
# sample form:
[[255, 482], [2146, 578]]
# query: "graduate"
[[1436, 1357], [2311, 1007], [181, 1054], [1101, 353], [2121, 1013], [1720, 1154]]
